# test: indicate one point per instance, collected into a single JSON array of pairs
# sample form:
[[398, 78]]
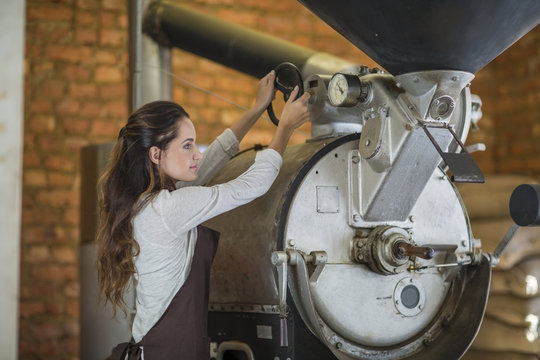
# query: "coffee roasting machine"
[[362, 248]]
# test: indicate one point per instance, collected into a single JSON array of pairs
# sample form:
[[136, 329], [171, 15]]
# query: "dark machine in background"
[[362, 248]]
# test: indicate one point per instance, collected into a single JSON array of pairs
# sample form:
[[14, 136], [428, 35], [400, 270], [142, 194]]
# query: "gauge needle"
[[340, 89]]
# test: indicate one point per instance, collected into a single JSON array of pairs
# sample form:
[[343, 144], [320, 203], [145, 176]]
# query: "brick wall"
[[76, 94], [510, 90]]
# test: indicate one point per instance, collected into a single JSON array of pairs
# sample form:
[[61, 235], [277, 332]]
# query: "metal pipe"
[[135, 20], [149, 63], [238, 47]]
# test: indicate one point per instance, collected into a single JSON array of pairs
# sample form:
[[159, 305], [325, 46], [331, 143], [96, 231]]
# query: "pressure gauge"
[[346, 90]]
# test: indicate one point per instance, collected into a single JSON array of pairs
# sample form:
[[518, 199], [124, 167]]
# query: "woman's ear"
[[155, 154]]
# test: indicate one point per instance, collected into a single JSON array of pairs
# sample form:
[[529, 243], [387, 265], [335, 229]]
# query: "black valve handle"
[[287, 77], [525, 205]]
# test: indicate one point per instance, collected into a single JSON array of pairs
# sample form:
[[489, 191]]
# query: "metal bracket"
[[280, 261], [462, 165]]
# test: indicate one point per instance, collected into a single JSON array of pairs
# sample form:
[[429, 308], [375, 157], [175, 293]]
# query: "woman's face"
[[179, 161]]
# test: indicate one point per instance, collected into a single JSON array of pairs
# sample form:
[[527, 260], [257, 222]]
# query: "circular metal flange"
[[442, 107], [409, 297], [383, 258]]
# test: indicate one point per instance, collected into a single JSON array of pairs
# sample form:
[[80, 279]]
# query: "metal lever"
[[404, 249], [462, 165], [281, 260], [461, 259], [524, 210]]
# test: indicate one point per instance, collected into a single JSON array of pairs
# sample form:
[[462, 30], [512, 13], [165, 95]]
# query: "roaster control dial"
[[345, 90]]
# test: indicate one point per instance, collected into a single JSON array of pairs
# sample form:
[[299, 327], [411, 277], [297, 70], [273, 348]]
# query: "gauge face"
[[338, 89]]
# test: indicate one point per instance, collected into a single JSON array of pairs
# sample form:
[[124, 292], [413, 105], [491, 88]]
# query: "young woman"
[[152, 206]]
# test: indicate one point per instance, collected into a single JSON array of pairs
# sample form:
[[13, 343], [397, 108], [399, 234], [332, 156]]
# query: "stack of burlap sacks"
[[510, 327]]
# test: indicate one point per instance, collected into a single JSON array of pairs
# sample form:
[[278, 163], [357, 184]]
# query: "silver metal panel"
[[242, 271], [438, 219], [327, 199]]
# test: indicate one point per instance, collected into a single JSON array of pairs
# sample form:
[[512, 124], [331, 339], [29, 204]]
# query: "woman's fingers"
[[292, 95]]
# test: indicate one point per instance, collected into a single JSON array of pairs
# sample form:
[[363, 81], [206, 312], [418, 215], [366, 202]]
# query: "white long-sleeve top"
[[166, 229]]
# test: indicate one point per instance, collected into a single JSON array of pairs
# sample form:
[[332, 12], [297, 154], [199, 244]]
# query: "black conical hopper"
[[413, 35]]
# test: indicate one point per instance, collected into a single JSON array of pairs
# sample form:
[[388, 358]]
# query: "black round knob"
[[525, 205]]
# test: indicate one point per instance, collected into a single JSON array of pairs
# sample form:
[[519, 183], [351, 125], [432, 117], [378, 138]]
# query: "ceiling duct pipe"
[[235, 46]]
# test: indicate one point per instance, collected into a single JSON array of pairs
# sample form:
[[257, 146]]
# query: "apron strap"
[[126, 351]]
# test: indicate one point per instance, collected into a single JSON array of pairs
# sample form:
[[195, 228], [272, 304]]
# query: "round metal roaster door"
[[366, 299]]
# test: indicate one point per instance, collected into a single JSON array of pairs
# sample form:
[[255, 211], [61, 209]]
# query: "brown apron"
[[181, 332]]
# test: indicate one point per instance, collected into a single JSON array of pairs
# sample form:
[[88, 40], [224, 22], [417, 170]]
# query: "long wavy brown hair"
[[130, 181]]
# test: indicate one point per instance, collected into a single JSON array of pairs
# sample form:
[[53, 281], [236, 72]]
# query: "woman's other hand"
[[295, 112]]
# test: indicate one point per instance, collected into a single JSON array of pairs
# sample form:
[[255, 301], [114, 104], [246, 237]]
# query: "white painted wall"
[[12, 18]]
